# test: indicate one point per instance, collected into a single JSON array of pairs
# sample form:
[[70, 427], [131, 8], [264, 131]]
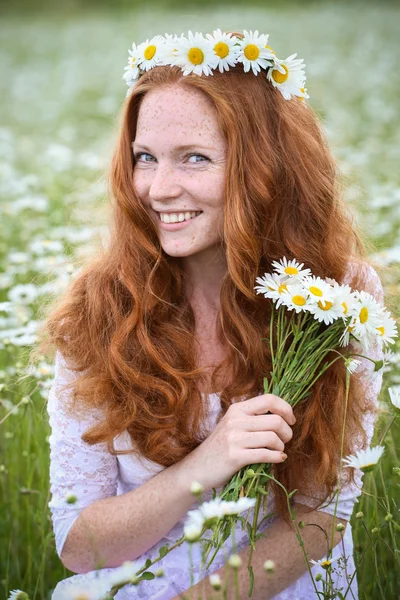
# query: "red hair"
[[125, 324]]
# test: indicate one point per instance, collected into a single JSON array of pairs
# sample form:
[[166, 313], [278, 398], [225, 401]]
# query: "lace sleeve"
[[371, 382], [88, 472]]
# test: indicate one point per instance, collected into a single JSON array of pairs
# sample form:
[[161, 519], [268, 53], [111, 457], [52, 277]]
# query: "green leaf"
[[250, 569], [163, 551], [147, 563], [147, 575]]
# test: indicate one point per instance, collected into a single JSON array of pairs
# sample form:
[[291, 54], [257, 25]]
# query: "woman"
[[160, 337]]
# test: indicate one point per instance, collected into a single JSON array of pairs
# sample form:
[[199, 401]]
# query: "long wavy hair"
[[126, 327]]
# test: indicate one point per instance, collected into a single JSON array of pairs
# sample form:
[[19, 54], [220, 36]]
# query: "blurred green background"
[[61, 91]]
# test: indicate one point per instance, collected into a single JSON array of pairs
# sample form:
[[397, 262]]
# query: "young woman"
[[160, 359]]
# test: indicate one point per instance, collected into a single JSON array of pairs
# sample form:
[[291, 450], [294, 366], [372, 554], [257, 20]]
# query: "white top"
[[92, 473]]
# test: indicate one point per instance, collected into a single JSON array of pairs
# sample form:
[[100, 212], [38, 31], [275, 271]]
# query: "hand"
[[245, 435]]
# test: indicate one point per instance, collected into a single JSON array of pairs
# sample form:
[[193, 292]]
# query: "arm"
[[281, 546], [102, 526]]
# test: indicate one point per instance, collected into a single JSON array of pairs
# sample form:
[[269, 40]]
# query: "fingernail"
[[284, 456]]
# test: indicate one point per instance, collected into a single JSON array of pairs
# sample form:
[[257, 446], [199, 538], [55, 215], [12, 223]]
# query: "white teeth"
[[178, 217]]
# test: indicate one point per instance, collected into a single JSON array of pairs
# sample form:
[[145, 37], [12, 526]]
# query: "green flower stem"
[[387, 429]]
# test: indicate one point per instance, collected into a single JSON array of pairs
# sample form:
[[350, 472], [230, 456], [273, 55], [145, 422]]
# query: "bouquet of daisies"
[[311, 318]]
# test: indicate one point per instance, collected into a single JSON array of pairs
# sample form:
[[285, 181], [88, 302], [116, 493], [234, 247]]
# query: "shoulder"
[[363, 273]]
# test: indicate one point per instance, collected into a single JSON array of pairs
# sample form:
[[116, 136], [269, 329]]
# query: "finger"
[[264, 439], [263, 455], [260, 405], [265, 423]]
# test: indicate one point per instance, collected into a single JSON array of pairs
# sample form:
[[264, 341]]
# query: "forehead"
[[178, 112]]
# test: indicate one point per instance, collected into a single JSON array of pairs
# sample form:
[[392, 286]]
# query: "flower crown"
[[198, 54]]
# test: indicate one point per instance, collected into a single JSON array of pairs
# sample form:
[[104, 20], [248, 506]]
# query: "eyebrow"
[[182, 147]]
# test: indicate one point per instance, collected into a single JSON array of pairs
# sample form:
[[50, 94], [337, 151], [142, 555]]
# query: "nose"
[[164, 183]]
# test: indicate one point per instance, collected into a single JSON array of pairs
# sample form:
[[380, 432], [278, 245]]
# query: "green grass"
[[61, 91]]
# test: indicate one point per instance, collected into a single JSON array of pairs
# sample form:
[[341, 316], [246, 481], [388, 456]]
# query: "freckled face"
[[167, 177]]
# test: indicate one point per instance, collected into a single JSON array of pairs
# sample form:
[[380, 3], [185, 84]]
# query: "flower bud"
[[159, 572], [235, 561], [359, 515], [302, 524], [375, 530], [70, 498], [269, 566], [196, 488], [396, 470], [340, 527], [318, 577], [388, 517], [215, 581]]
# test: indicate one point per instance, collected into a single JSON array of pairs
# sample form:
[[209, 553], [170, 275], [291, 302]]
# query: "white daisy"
[[150, 53], [195, 54], [88, 590], [23, 293], [132, 71], [225, 48], [366, 318], [254, 52], [325, 563], [295, 297], [235, 508], [364, 459], [319, 290], [288, 76], [302, 95], [326, 311], [272, 286], [169, 48], [213, 509], [387, 330], [344, 298], [123, 574], [352, 364], [18, 595], [394, 393], [290, 267], [193, 526]]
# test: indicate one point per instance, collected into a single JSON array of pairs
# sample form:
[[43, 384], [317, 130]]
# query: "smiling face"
[[170, 178]]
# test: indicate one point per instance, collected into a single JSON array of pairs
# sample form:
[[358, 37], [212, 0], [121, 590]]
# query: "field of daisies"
[[61, 90]]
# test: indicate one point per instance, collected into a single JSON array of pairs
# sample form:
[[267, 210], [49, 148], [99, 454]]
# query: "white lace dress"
[[92, 473]]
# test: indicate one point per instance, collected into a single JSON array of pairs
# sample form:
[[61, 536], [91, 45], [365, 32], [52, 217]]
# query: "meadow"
[[61, 91]]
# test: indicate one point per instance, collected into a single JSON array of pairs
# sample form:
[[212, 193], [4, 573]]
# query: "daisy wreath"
[[202, 55]]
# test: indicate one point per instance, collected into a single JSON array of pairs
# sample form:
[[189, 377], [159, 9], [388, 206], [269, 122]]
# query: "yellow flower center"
[[132, 60], [328, 305], [291, 270], [381, 330], [149, 52], [269, 48], [345, 308], [325, 564], [82, 596], [251, 52], [196, 56], [280, 77], [350, 327], [221, 49], [299, 300], [363, 314], [281, 288], [314, 290]]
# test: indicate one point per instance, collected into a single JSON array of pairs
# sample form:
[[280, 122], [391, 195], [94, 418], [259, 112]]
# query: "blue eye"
[[201, 156], [139, 154], [136, 156]]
